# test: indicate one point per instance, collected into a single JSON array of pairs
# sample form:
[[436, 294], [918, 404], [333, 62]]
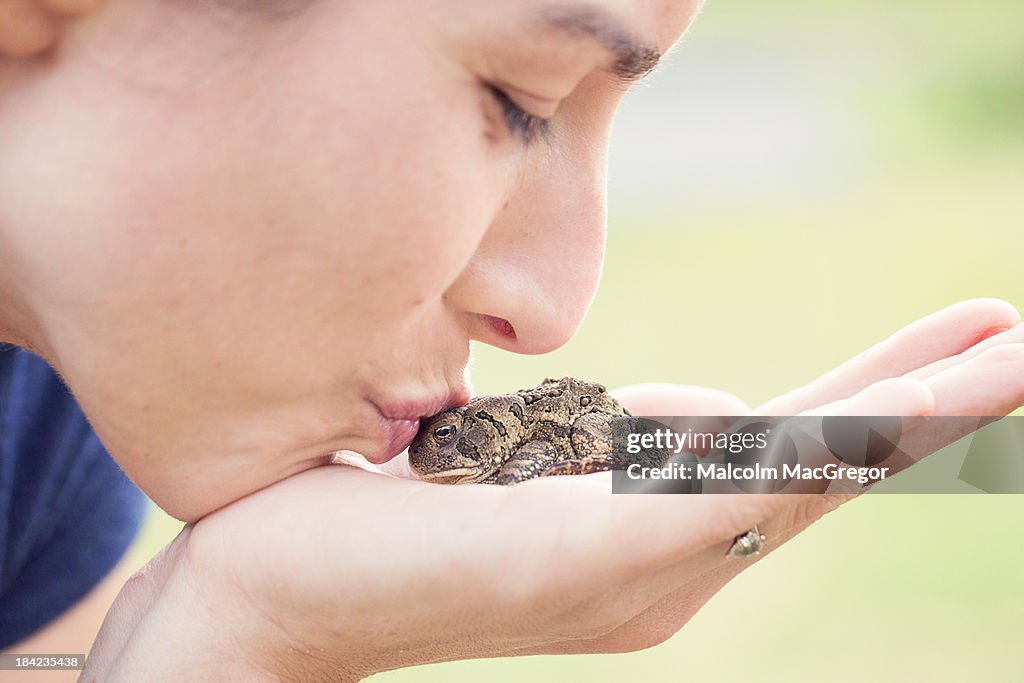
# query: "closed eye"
[[519, 122]]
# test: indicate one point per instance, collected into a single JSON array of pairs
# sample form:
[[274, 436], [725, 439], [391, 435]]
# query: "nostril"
[[500, 326]]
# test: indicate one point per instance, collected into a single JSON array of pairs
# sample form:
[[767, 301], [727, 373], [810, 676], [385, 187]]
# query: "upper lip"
[[418, 408], [399, 419]]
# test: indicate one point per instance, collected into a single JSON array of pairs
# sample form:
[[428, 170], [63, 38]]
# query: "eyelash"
[[520, 122]]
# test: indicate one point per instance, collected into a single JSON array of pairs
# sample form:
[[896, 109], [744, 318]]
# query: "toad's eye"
[[444, 434]]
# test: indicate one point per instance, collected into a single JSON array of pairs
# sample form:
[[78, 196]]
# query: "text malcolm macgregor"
[[756, 472], [735, 443]]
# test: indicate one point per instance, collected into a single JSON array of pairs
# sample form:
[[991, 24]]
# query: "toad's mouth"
[[463, 475]]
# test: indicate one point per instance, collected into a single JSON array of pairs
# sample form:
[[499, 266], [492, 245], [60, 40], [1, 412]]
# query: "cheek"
[[332, 200], [389, 163]]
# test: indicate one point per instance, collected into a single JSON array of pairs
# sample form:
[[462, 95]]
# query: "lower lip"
[[398, 434]]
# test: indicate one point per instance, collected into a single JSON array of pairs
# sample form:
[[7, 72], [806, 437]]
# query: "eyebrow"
[[634, 58]]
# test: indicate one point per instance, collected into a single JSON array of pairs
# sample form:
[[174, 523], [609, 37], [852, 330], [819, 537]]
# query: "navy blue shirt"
[[67, 512]]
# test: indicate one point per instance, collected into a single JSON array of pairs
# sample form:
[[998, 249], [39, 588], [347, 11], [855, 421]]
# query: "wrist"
[[164, 627], [250, 611]]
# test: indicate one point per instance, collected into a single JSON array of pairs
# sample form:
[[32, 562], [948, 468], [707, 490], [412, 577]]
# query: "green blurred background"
[[799, 180]]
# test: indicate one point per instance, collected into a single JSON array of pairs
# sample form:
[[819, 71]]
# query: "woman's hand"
[[339, 572]]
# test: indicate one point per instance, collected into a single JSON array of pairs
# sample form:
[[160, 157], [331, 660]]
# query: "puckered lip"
[[399, 420]]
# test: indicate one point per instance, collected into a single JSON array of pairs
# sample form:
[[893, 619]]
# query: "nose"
[[534, 274]]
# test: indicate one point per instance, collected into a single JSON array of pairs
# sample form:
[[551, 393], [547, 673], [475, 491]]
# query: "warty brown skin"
[[559, 427]]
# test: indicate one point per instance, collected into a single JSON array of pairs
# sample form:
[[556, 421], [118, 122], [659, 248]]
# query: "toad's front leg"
[[529, 462]]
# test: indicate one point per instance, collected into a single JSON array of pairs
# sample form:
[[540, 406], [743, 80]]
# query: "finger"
[[991, 383], [24, 28], [898, 396], [667, 528], [937, 336], [1014, 335], [894, 396], [672, 528], [987, 386], [667, 613], [966, 396]]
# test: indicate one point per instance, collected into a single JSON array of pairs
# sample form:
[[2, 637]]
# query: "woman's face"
[[250, 236]]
